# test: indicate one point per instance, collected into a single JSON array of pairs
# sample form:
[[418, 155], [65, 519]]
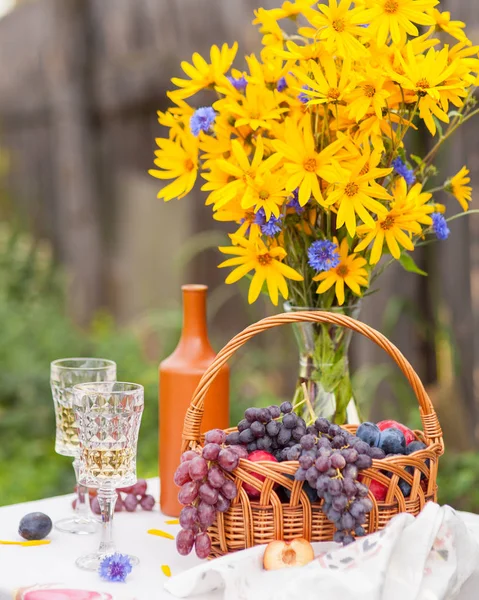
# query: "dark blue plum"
[[369, 433], [35, 526], [392, 441], [404, 486], [415, 446]]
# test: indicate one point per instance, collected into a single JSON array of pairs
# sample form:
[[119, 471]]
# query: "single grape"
[[360, 531], [348, 539], [188, 455], [286, 407], [340, 502], [274, 411], [215, 476], [338, 441], [349, 487], [203, 545], [322, 484], [95, 506], [300, 475], [208, 493], [333, 515], [139, 489], [206, 514], [301, 423], [233, 439], [198, 468], [306, 461], [367, 504], [376, 453], [284, 436], [347, 521], [308, 441], [147, 502], [350, 471], [188, 492], [130, 502], [337, 461], [188, 517], [338, 537], [240, 451], [294, 452], [211, 451], [251, 447], [364, 461], [264, 443], [335, 487], [264, 415], [361, 490], [273, 428], [215, 436], [289, 421], [182, 473], [229, 490], [322, 425], [311, 429], [334, 430], [357, 509], [323, 444], [323, 464], [242, 425], [350, 455], [222, 503], [257, 428], [251, 414], [246, 436], [228, 460], [184, 541]]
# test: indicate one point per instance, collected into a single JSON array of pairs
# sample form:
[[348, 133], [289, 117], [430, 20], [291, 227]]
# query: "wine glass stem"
[[82, 504], [107, 500]]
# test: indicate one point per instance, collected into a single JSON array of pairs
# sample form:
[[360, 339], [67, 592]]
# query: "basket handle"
[[194, 414]]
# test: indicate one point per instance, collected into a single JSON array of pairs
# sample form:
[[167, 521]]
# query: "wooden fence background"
[[80, 84]]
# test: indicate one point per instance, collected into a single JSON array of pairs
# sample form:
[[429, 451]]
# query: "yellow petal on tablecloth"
[[161, 533], [172, 522], [166, 570], [27, 543]]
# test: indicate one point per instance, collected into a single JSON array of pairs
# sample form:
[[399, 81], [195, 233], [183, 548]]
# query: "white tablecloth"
[[55, 563]]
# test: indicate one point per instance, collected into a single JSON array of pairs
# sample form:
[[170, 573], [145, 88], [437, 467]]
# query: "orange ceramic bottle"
[[179, 375]]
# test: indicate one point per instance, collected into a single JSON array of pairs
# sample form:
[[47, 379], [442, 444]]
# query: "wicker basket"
[[248, 523]]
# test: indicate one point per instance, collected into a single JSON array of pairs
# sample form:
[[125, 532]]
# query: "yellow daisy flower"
[[266, 191], [203, 75], [302, 53], [369, 95], [303, 164], [396, 226], [256, 109], [267, 266], [330, 87], [350, 271], [354, 194], [268, 72], [397, 18], [246, 219], [453, 28], [339, 26], [178, 160], [457, 186], [426, 78], [268, 20]]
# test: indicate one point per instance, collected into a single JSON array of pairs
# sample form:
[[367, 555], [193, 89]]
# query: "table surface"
[[55, 563]]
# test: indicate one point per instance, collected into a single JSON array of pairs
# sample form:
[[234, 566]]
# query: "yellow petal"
[[161, 533], [172, 522], [166, 570]]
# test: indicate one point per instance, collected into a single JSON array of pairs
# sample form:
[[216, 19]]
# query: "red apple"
[[257, 456], [281, 555], [408, 434], [378, 490]]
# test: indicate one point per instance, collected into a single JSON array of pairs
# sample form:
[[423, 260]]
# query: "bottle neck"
[[194, 312]]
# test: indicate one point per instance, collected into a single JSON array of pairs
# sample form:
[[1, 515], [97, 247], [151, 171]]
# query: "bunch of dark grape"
[[261, 429], [205, 490], [330, 459]]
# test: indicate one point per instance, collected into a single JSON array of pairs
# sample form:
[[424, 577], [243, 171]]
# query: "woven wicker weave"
[[248, 523]]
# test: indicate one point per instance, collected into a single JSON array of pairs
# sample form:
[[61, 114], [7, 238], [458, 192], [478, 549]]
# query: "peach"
[[282, 555]]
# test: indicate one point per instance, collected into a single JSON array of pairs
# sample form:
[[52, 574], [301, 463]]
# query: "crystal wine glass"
[[64, 374], [108, 417]]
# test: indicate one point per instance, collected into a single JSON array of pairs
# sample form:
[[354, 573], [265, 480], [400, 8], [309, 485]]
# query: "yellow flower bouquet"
[[303, 152]]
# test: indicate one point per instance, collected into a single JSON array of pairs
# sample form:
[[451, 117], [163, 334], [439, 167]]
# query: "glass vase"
[[324, 382]]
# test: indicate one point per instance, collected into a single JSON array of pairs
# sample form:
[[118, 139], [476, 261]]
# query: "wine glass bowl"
[[64, 374], [108, 417]]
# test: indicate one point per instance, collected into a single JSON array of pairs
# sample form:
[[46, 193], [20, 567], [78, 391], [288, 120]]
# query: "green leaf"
[[408, 264], [417, 159]]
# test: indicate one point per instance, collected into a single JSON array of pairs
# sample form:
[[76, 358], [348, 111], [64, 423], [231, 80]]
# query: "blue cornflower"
[[440, 227], [270, 227], [323, 255], [281, 85], [202, 120], [239, 83], [404, 171], [302, 97], [294, 203], [115, 567]]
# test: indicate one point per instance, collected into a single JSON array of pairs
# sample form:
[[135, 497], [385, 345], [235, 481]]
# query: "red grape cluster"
[[205, 490], [128, 498]]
